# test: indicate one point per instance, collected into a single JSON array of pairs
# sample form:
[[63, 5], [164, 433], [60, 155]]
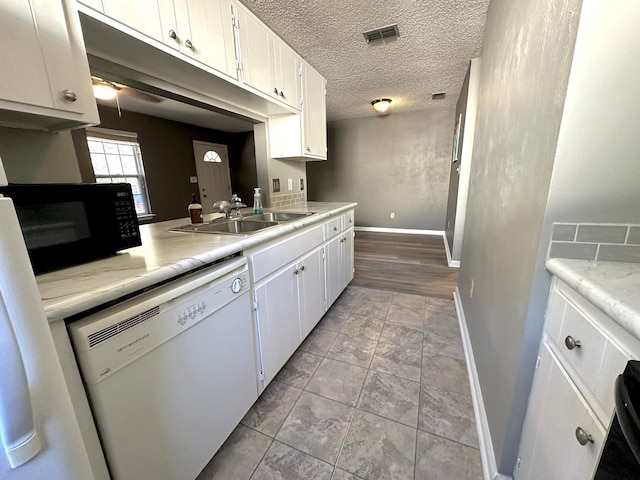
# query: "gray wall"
[[31, 156], [394, 163], [167, 154], [528, 48]]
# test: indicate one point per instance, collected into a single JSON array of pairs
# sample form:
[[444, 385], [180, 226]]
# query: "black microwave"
[[66, 224]]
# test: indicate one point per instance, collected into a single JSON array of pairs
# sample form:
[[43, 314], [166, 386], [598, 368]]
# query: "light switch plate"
[[193, 179], [301, 184], [289, 183]]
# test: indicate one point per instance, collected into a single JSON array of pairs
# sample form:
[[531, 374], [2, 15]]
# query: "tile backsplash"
[[590, 241], [287, 199]]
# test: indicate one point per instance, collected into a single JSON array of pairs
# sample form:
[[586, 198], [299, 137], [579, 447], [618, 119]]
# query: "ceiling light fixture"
[[104, 91], [381, 105]]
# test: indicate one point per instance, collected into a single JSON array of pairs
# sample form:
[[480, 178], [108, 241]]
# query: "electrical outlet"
[[289, 183], [193, 179], [276, 185], [392, 215], [473, 283], [448, 223], [301, 184]]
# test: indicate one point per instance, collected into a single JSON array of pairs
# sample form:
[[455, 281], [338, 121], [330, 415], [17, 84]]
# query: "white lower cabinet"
[[339, 256], [552, 450], [311, 290], [288, 305], [278, 319], [291, 278], [572, 398]]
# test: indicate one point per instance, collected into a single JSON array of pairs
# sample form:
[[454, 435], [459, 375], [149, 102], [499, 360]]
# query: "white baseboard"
[[452, 263], [399, 230], [489, 466]]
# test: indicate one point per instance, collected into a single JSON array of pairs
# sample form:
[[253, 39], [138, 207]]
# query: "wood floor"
[[403, 263]]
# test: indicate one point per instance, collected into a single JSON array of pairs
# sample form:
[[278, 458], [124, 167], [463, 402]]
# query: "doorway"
[[214, 179]]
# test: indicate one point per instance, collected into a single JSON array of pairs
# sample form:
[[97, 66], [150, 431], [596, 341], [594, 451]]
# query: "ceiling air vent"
[[438, 95], [382, 32]]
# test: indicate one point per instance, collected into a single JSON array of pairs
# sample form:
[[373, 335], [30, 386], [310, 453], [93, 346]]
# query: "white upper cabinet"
[[253, 41], [303, 136], [314, 113], [199, 29], [45, 82], [267, 63], [284, 72], [141, 15]]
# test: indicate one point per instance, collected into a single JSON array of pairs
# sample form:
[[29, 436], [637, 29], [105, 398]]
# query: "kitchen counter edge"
[[611, 286]]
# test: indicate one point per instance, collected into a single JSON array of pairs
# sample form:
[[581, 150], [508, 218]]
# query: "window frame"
[[122, 138]]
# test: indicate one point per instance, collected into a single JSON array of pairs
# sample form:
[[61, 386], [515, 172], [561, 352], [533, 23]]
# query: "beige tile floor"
[[379, 390]]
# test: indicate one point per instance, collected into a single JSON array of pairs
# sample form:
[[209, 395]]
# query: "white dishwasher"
[[171, 372]]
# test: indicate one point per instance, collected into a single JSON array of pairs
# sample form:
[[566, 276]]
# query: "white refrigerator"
[[40, 436]]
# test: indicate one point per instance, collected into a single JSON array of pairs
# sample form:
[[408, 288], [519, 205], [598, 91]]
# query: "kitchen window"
[[116, 158]]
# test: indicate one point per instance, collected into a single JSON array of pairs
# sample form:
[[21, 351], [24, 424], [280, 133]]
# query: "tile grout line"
[[415, 451]]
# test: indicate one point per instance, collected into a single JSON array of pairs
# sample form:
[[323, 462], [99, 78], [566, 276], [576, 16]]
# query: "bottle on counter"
[[257, 201], [195, 211]]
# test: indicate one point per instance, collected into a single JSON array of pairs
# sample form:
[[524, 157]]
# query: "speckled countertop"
[[162, 256], [613, 287]]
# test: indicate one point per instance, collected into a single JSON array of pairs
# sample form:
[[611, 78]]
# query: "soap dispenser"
[[195, 211], [257, 201]]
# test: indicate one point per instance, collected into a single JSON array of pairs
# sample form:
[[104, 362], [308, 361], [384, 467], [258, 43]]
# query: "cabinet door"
[[45, 68], [286, 78], [333, 269], [314, 113], [311, 290], [141, 15], [254, 49], [210, 40], [549, 449], [347, 257], [278, 320]]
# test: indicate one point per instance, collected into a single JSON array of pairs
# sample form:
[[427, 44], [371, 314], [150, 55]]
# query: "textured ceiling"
[[437, 40]]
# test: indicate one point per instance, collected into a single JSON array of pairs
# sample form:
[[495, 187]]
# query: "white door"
[[214, 180]]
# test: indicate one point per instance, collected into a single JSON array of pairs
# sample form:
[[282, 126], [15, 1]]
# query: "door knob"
[[69, 95], [583, 437], [571, 342], [172, 34]]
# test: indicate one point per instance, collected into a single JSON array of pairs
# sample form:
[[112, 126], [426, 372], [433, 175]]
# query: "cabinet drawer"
[[348, 220], [286, 251], [604, 349], [587, 358], [332, 228]]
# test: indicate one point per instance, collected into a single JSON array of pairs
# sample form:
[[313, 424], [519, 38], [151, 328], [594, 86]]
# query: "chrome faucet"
[[223, 206]]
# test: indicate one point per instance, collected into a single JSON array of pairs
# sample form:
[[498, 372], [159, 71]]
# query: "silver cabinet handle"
[[281, 93], [302, 268], [69, 95], [188, 44], [583, 437], [275, 90], [295, 272], [308, 149], [335, 229], [172, 34], [572, 343]]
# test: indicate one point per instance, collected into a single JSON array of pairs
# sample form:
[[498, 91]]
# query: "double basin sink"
[[243, 225]]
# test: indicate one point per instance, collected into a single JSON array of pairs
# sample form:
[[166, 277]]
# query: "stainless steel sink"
[[230, 227], [277, 216]]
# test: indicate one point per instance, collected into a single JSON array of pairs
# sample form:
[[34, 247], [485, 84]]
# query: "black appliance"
[[66, 224], [620, 458]]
